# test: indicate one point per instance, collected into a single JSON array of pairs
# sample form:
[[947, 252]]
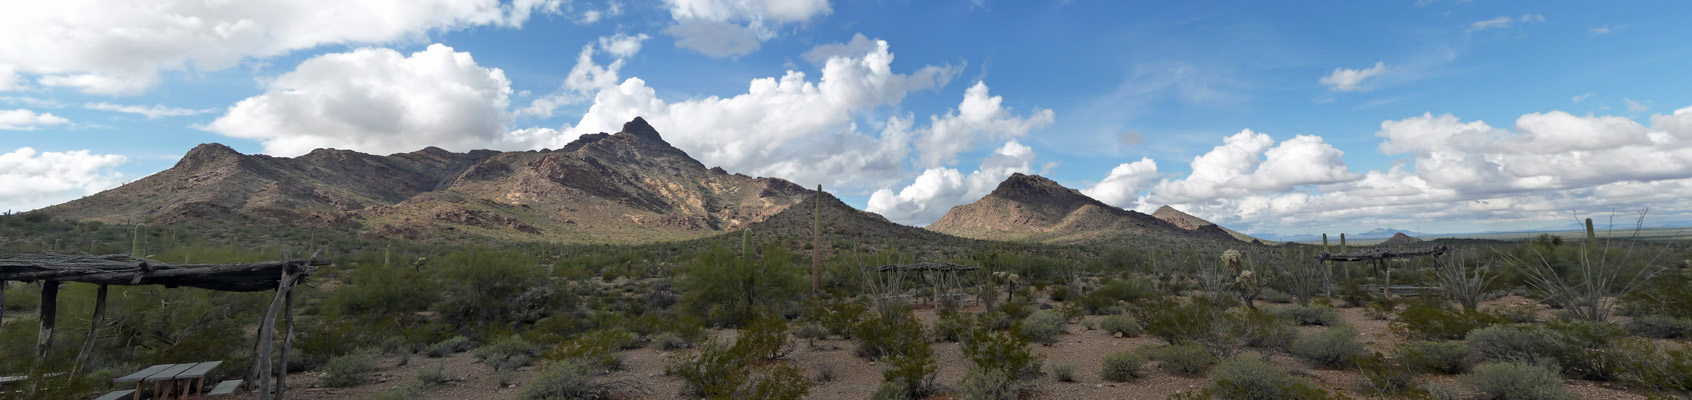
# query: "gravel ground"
[[856, 378]]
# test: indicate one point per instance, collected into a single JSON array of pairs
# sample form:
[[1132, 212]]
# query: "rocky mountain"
[[1033, 208], [1401, 239], [1189, 222], [626, 187]]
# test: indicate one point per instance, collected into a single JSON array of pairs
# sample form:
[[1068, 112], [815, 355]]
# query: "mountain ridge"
[[1033, 208]]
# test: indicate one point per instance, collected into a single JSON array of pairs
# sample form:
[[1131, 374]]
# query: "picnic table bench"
[[189, 378]]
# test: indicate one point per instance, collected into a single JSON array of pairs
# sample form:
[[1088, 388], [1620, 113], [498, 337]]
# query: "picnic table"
[[178, 379]]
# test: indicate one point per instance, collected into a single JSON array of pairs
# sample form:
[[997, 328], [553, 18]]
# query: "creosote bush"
[[1122, 367], [1064, 372], [988, 384], [508, 353], [1001, 351], [349, 370], [1309, 315], [1660, 327], [1440, 357], [1330, 348], [1122, 324], [748, 368], [1517, 380], [1253, 378], [454, 345], [1043, 327], [567, 379], [1423, 320], [1186, 359]]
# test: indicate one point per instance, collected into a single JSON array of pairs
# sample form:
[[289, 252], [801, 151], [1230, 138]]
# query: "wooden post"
[[1386, 289], [267, 336], [3, 301], [93, 331], [49, 313], [287, 340]]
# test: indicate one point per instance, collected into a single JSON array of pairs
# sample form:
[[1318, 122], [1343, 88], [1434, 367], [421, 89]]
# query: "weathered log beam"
[[49, 315], [230, 277]]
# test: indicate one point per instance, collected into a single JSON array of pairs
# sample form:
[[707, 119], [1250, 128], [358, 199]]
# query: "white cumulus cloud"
[[1251, 163], [791, 127], [587, 76], [26, 120], [937, 190], [1123, 185], [154, 112], [981, 116], [1351, 80], [30, 179], [378, 101], [119, 47], [729, 28]]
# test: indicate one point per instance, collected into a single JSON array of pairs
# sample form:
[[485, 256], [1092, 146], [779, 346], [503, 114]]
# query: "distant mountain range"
[[624, 187], [1376, 234]]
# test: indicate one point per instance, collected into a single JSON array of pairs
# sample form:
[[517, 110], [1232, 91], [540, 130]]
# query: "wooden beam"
[[93, 331], [49, 313], [235, 277]]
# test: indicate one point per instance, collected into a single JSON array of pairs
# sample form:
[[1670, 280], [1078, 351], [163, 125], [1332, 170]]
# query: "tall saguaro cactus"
[[816, 245]]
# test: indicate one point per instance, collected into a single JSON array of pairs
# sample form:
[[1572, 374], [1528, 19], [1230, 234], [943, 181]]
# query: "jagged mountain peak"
[[639, 128], [1193, 223], [206, 153], [1033, 208]]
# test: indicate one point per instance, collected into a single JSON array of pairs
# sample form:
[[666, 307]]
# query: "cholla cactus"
[[1245, 281], [1232, 259]]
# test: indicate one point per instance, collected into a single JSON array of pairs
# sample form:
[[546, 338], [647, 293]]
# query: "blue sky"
[[1435, 116]]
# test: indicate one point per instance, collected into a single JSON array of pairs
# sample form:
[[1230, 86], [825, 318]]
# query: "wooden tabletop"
[[143, 374], [164, 372]]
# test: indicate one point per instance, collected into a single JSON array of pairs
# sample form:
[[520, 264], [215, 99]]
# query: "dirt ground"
[[857, 378]]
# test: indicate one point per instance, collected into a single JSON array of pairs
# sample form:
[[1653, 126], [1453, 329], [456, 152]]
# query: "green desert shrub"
[[1330, 348], [1275, 296], [434, 376], [1309, 315], [1122, 367], [1517, 380], [1105, 299], [988, 384], [1262, 329], [1666, 370], [1122, 324], [1064, 372], [453, 345], [1252, 378], [748, 368], [348, 370], [508, 353], [567, 379], [1441, 357], [671, 341], [1186, 359], [950, 326], [1043, 327], [891, 390], [1577, 348], [1424, 321], [1660, 327], [1664, 294], [1173, 322], [405, 391], [1059, 294], [729, 290], [1000, 351]]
